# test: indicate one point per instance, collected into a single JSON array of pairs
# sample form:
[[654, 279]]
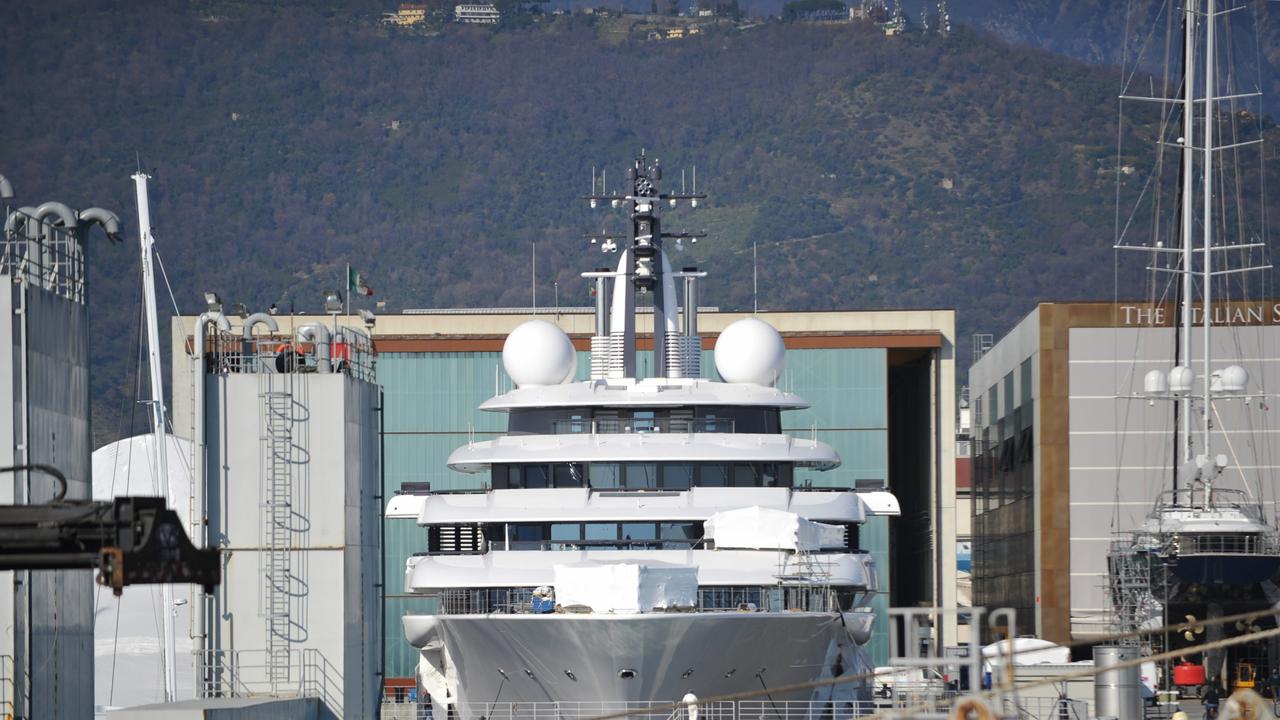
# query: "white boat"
[[641, 539]]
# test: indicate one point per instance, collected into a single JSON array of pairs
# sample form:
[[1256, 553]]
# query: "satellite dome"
[[1234, 379], [1180, 380], [750, 351], [538, 353]]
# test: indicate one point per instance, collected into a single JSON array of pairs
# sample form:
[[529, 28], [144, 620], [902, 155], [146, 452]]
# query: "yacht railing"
[[622, 426], [647, 544], [727, 599], [638, 710], [1219, 499], [1023, 708], [1224, 544]]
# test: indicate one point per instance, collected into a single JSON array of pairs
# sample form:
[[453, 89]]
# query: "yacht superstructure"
[[640, 539]]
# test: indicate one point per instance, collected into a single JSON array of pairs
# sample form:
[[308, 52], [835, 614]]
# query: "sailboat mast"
[[1208, 228], [160, 442], [1207, 309], [1188, 196]]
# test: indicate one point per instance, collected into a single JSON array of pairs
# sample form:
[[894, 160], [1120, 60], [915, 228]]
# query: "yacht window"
[[744, 475], [639, 531], [769, 475], [565, 536], [677, 476], [533, 421], [575, 424], [598, 532], [679, 535], [498, 477], [713, 475], [528, 531], [568, 475], [535, 476], [605, 475], [643, 421], [641, 476]]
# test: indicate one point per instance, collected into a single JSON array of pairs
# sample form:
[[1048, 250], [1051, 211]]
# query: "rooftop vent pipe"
[[246, 335], [64, 213], [22, 216], [317, 334], [107, 219]]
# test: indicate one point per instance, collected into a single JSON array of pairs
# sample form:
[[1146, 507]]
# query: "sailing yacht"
[[641, 539], [1204, 546]]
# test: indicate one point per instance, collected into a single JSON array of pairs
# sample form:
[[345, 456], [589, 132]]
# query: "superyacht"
[[642, 539]]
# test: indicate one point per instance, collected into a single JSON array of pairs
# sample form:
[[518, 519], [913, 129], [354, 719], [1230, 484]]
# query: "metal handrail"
[[43, 255], [351, 352], [728, 599], [247, 673], [1223, 544], [624, 426]]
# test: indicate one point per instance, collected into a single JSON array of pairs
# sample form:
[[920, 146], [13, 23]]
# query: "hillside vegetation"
[[289, 140]]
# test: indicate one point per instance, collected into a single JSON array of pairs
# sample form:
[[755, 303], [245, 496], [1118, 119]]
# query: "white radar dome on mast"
[[538, 353], [750, 351]]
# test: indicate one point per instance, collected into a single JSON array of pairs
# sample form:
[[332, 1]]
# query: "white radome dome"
[[538, 353], [750, 351], [1234, 379]]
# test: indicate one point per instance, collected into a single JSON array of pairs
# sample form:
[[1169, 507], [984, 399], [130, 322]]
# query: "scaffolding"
[[1136, 588]]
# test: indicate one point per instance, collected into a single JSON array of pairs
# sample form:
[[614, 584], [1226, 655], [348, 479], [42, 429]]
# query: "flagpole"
[[348, 293]]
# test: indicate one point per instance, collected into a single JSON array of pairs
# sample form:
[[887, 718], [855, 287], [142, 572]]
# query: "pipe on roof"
[[318, 334], [247, 350], [200, 520], [23, 215], [109, 221], [255, 319], [64, 213]]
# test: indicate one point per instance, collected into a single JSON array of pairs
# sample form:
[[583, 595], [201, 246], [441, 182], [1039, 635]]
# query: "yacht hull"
[[1226, 569], [649, 657]]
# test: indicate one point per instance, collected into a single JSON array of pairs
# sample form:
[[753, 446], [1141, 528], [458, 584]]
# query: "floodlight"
[[332, 301], [239, 310], [368, 318], [213, 302]]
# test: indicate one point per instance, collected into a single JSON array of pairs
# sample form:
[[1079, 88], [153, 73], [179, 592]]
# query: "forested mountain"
[[286, 140], [1108, 32]]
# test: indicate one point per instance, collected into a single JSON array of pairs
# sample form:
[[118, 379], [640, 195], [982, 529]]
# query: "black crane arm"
[[128, 540]]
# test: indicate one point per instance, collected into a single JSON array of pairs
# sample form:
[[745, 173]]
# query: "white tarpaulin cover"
[[626, 587], [757, 528], [127, 668], [1026, 651]]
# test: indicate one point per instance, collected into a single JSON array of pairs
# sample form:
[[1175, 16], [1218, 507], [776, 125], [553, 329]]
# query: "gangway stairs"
[[276, 394]]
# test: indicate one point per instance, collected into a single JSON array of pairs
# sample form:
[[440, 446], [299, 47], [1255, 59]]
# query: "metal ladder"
[[276, 393]]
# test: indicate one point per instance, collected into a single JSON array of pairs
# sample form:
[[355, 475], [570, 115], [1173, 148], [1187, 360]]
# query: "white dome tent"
[[127, 641]]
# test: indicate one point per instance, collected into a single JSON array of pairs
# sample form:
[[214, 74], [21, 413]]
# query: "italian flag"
[[356, 283]]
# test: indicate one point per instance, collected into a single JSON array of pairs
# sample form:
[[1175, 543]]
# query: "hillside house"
[[410, 14], [476, 13]]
